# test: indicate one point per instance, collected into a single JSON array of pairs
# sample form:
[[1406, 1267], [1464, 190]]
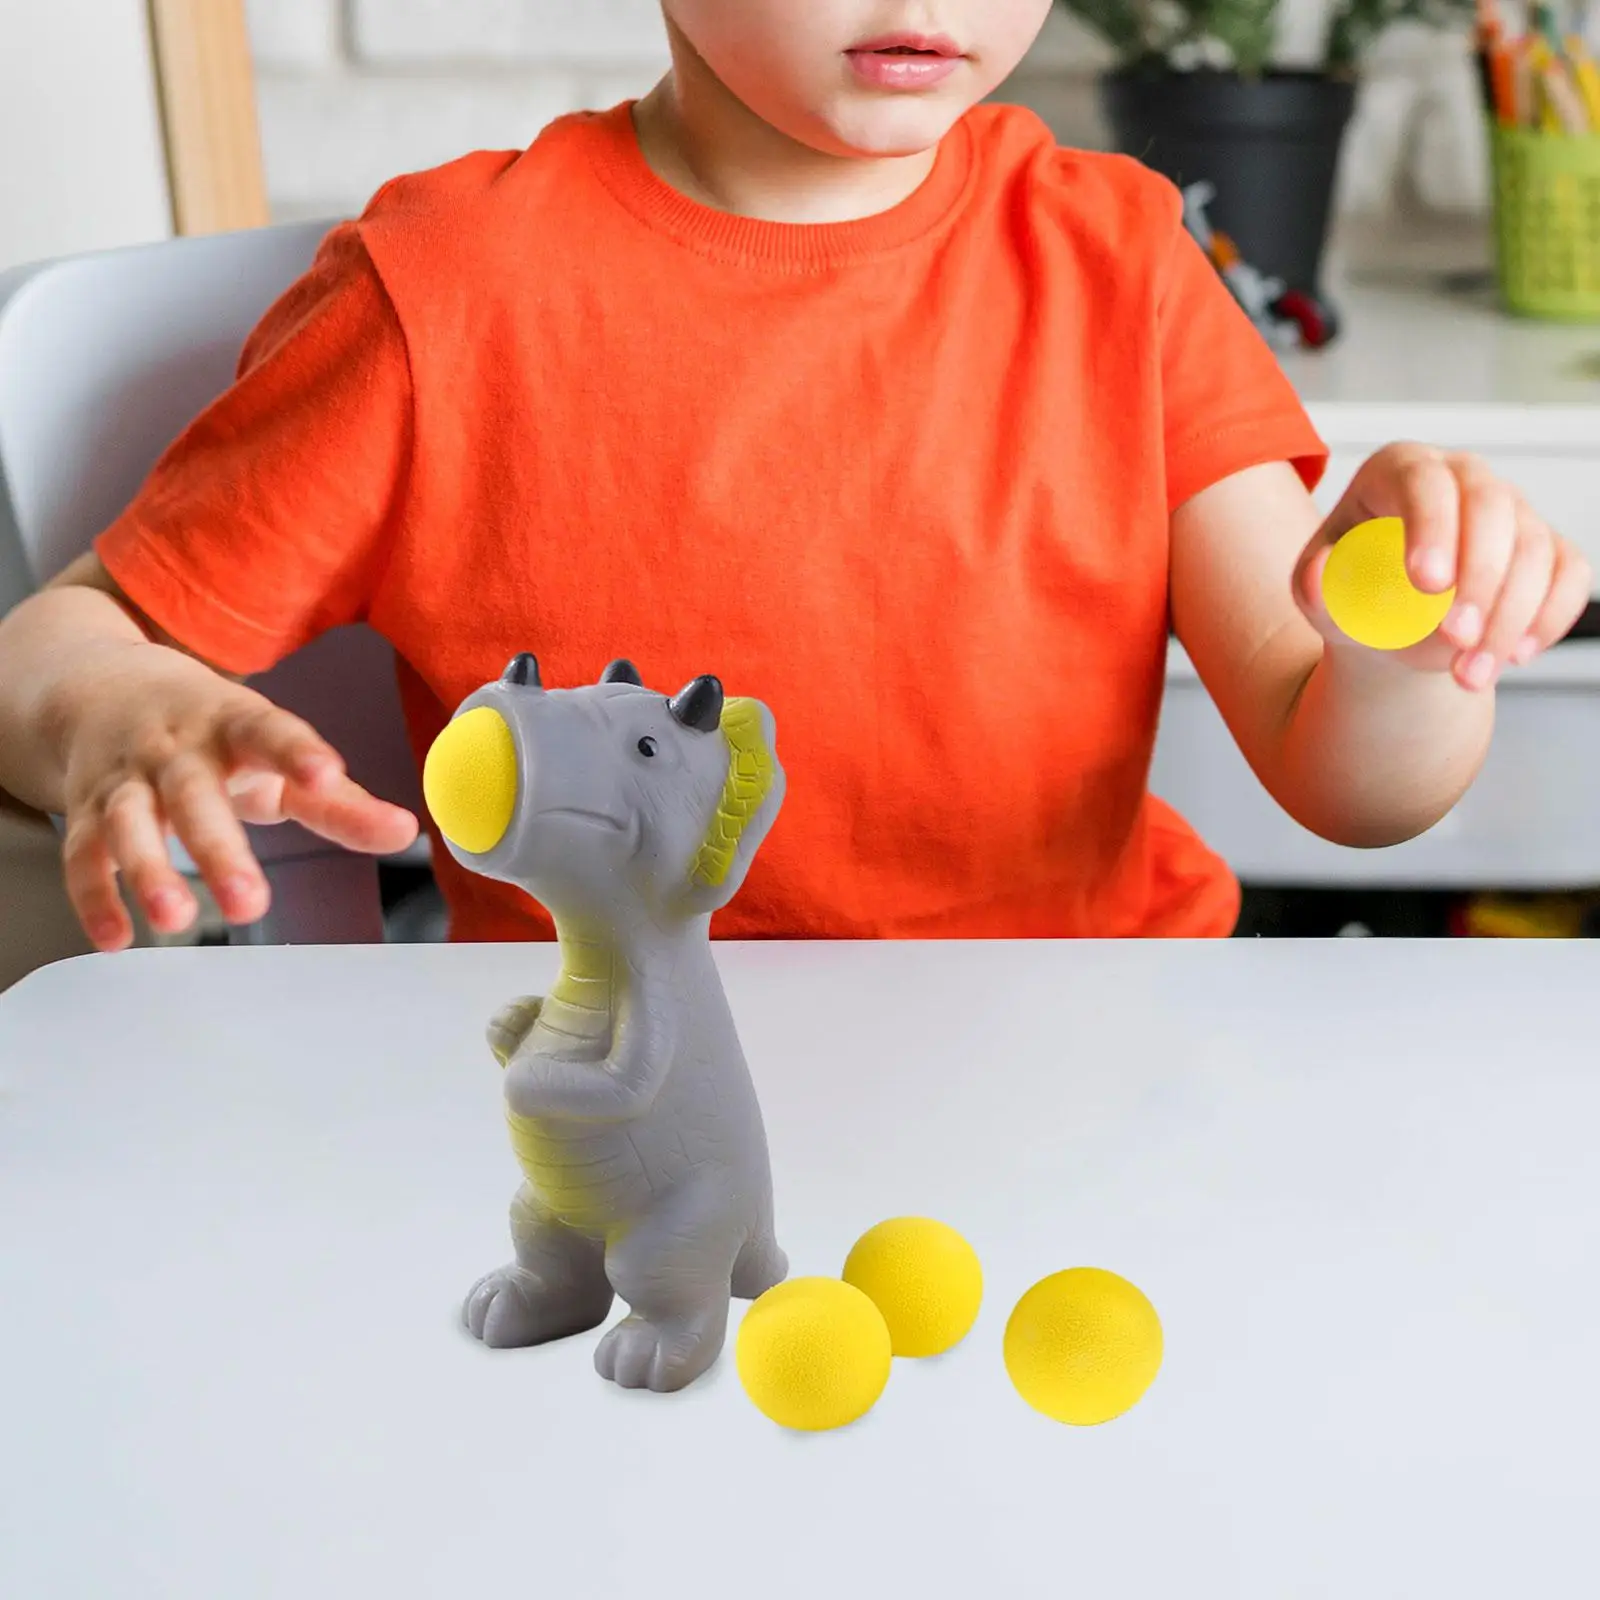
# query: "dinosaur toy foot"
[[512, 1307], [663, 1356]]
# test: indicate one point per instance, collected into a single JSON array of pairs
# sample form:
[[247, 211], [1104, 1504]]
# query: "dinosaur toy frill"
[[631, 816]]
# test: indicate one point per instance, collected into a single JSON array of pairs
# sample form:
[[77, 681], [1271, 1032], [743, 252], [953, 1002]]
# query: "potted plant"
[[1195, 94]]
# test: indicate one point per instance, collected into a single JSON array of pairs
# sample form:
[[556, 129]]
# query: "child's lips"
[[905, 60], [933, 44]]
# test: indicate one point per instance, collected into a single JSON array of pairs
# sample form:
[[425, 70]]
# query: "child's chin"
[[904, 129]]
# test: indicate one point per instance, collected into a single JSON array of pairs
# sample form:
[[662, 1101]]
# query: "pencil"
[[1486, 88], [1524, 97], [1502, 85], [1544, 26], [1565, 110], [1586, 75], [1541, 108]]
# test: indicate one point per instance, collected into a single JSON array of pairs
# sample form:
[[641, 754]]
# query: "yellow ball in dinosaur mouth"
[[470, 780], [1368, 593], [813, 1354], [1083, 1346], [925, 1279]]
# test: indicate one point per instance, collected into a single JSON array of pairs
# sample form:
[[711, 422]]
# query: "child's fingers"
[[1521, 594], [199, 812], [348, 815], [256, 796], [1571, 585], [138, 846], [1428, 495], [1308, 581], [1489, 514], [1533, 565], [91, 881], [265, 736]]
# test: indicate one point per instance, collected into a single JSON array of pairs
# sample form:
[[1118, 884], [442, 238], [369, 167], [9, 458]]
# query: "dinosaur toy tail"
[[761, 1266]]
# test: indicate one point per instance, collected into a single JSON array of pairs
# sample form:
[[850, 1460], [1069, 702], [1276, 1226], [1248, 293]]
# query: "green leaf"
[[1118, 22], [1357, 24], [1247, 28], [1152, 30]]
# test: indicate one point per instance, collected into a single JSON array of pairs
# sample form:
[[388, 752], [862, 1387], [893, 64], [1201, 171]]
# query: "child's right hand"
[[164, 746]]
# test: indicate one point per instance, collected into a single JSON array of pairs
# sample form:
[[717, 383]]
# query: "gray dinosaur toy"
[[631, 817]]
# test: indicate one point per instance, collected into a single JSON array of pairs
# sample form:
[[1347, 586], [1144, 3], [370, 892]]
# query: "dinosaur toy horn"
[[699, 705], [523, 671], [622, 672]]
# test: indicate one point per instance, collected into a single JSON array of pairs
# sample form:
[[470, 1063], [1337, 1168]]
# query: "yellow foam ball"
[[1083, 1346], [813, 1354], [1369, 594], [925, 1279], [469, 780]]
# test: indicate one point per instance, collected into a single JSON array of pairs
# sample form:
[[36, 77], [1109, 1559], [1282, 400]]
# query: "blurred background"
[[134, 121], [352, 91]]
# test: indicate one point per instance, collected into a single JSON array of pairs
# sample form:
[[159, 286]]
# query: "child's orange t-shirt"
[[907, 479]]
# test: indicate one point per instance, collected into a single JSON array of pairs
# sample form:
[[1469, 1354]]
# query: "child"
[[811, 372]]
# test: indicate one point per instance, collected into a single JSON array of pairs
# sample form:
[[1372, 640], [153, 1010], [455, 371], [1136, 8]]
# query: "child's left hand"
[[1519, 586]]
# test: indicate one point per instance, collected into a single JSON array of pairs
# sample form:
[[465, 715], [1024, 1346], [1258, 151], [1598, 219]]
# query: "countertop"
[[1425, 351], [243, 1192]]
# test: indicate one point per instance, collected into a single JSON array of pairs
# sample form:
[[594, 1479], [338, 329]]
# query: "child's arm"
[[1362, 747], [264, 524], [106, 722]]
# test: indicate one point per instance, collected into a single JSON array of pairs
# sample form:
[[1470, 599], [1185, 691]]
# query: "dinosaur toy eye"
[[647, 746]]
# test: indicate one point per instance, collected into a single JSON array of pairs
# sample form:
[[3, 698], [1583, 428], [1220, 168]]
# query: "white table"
[[242, 1192]]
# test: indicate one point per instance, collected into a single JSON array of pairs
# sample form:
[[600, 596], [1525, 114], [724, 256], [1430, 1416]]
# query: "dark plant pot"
[[1270, 147]]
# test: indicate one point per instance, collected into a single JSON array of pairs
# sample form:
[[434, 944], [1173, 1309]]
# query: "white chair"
[[104, 359]]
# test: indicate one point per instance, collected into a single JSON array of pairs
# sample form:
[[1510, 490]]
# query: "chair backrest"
[[104, 359]]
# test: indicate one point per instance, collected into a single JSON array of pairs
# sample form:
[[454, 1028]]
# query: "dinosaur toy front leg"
[[543, 1085], [556, 1287], [511, 1025], [673, 1267]]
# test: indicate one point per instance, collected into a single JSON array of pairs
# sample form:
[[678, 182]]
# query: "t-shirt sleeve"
[[268, 520], [1226, 402]]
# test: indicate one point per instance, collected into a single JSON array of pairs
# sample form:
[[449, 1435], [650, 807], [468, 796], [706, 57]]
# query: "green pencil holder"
[[1547, 222]]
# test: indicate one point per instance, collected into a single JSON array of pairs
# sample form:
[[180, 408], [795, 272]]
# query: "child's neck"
[[702, 140]]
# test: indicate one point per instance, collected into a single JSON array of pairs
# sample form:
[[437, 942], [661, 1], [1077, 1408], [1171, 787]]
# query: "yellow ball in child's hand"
[[813, 1354], [925, 1279], [1369, 594], [1083, 1346]]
